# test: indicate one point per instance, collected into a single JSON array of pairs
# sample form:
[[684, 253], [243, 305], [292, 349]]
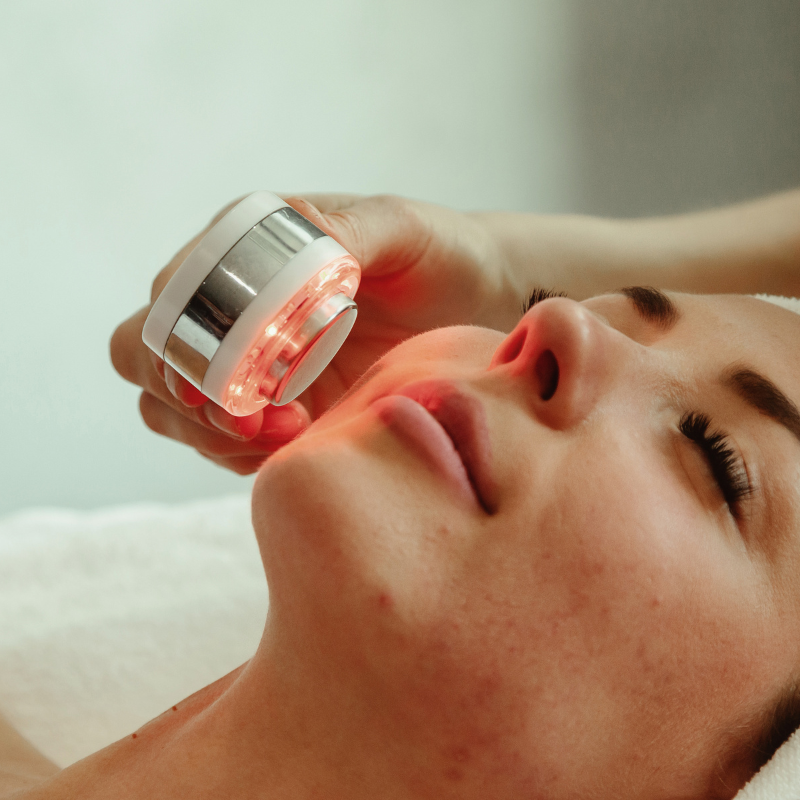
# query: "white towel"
[[109, 617], [779, 779]]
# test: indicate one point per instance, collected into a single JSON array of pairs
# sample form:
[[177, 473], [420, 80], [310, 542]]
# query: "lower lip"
[[409, 421]]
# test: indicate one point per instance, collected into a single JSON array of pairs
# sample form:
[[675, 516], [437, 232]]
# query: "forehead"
[[740, 329]]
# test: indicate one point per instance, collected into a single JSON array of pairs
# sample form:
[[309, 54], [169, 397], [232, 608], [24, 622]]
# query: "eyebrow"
[[653, 305], [764, 396], [758, 391]]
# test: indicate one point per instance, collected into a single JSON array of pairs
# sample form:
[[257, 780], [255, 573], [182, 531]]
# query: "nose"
[[564, 357]]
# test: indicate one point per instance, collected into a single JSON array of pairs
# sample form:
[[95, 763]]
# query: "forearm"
[[747, 248]]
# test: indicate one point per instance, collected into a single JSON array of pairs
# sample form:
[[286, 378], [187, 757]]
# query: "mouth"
[[462, 419]]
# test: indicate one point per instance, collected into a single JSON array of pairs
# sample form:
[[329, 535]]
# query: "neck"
[[268, 730]]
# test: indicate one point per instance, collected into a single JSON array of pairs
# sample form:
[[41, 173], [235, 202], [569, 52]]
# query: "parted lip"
[[464, 420]]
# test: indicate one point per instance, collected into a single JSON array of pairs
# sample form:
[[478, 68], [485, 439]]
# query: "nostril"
[[547, 373], [514, 347]]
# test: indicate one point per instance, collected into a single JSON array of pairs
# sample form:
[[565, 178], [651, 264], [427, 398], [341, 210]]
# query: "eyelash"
[[539, 294], [727, 468]]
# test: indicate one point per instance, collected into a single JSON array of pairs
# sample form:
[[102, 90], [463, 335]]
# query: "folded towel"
[[779, 779]]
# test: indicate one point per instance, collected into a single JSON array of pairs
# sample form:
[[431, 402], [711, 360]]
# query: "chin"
[[348, 531]]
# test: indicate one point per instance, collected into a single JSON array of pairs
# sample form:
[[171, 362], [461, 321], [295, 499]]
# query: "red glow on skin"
[[412, 423], [174, 708], [191, 396], [283, 423], [134, 735]]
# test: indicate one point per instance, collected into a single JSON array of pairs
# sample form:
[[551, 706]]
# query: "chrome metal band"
[[231, 286]]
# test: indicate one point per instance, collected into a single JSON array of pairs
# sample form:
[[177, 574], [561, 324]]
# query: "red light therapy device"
[[258, 309]]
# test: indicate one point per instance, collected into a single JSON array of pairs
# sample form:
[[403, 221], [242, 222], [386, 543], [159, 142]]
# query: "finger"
[[131, 357], [182, 390], [241, 465], [138, 364], [164, 420], [241, 427], [325, 203], [387, 235], [281, 424]]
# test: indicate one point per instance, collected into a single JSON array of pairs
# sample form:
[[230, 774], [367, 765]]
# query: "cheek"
[[609, 570], [351, 526]]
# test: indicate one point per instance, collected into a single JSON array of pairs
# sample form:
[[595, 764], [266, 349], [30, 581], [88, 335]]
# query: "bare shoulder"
[[22, 766]]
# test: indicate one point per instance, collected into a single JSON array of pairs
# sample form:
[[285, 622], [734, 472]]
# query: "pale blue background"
[[124, 127]]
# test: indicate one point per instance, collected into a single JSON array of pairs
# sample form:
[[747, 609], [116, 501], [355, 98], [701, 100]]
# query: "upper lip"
[[464, 420]]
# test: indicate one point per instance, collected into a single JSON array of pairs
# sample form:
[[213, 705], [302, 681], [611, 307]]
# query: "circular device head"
[[258, 309]]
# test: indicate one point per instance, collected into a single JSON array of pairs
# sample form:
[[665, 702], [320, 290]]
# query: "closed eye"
[[726, 466]]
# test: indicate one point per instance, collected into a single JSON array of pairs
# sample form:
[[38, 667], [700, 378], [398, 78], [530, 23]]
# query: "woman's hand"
[[423, 266]]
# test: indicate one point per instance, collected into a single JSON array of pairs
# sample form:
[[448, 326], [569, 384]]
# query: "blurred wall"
[[681, 104], [124, 127]]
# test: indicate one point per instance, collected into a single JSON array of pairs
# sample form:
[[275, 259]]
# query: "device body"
[[258, 309]]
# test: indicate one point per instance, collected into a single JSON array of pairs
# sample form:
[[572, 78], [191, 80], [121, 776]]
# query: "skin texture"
[[611, 629]]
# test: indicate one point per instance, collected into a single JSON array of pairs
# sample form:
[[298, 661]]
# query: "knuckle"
[[245, 465], [118, 352], [217, 445], [152, 413], [124, 345], [241, 466], [350, 231]]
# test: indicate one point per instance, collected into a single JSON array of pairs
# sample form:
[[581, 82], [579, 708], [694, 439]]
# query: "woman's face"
[[539, 555]]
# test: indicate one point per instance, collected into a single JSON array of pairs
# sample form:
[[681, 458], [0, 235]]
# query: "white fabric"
[[110, 617], [792, 303], [780, 778]]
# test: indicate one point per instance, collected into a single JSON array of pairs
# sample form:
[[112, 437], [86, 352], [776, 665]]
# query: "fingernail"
[[190, 395], [158, 364], [238, 427], [282, 423], [171, 379], [182, 390]]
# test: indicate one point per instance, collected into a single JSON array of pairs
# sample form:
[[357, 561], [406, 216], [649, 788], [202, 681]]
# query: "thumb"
[[385, 234]]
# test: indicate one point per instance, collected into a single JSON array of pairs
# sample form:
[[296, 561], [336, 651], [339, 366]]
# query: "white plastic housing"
[[275, 327]]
